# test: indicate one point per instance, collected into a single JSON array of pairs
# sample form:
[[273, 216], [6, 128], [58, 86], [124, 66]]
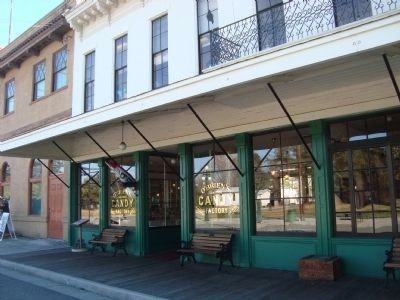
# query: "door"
[[55, 202], [164, 204]]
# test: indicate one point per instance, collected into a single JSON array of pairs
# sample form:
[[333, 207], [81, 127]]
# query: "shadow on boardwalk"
[[162, 276]]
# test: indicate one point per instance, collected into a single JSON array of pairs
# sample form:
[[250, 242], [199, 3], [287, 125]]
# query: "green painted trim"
[[246, 191], [103, 195], [73, 201], [186, 190], [322, 187], [142, 210]]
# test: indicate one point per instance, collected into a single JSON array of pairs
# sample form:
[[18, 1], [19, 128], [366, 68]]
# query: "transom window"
[[160, 52], [60, 69], [35, 183], [89, 81], [283, 182], [10, 92], [39, 73], [120, 74]]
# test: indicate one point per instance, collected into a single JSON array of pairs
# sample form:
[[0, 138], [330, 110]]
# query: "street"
[[17, 286]]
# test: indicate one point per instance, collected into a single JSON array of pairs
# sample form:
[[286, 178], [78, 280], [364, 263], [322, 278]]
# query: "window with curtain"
[[35, 183], [10, 101], [283, 183], [216, 187]]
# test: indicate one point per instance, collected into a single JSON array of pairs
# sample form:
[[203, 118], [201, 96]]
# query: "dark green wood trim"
[[73, 200], [142, 210], [246, 191], [322, 189], [104, 216], [186, 190]]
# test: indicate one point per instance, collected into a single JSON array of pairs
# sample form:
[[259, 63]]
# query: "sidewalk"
[[130, 277]]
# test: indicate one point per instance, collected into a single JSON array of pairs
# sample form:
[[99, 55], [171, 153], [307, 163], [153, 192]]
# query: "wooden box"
[[320, 267]]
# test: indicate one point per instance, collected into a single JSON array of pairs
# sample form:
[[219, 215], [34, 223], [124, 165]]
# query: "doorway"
[[55, 201], [164, 203]]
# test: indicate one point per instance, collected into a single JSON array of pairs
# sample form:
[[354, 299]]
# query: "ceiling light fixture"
[[122, 145]]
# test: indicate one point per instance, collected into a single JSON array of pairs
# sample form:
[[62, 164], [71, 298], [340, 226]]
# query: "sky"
[[24, 14]]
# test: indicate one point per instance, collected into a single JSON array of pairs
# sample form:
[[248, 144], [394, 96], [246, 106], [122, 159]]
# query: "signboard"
[[6, 221]]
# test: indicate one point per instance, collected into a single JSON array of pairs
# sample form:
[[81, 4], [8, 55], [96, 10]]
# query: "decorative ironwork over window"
[[39, 73], [277, 23]]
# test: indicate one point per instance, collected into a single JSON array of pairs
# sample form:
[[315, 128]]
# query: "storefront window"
[[164, 194], [216, 187], [122, 201], [35, 187], [5, 181], [283, 182], [89, 192], [366, 180]]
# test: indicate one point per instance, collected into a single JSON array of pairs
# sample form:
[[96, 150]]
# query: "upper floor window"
[[160, 52], [10, 92], [207, 15], [89, 81], [60, 69], [39, 72], [5, 181], [207, 19], [120, 75], [35, 188]]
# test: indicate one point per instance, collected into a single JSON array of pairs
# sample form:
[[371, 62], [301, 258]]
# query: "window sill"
[[8, 114]]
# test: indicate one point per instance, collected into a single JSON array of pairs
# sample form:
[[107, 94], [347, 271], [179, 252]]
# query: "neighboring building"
[[137, 64], [35, 91]]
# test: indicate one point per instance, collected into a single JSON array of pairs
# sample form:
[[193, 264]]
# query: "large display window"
[[89, 205], [366, 175], [216, 187], [283, 182], [122, 200]]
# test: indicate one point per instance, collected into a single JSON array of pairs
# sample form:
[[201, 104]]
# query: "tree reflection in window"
[[89, 192]]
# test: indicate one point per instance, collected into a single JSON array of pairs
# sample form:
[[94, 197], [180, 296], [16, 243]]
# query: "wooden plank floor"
[[162, 276]]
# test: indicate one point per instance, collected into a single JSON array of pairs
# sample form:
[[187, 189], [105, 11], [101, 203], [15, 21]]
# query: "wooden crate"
[[319, 267]]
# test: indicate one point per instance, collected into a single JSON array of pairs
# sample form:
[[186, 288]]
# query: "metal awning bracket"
[[215, 140], [71, 159], [294, 125], [389, 68], [52, 172], [155, 150]]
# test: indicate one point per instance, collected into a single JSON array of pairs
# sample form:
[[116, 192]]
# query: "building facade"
[[277, 121], [35, 91]]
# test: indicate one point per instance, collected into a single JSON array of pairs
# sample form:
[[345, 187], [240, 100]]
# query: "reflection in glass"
[[122, 201], [89, 192], [216, 188], [283, 183]]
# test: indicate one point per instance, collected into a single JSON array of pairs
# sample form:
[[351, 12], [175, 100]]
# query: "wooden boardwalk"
[[162, 276]]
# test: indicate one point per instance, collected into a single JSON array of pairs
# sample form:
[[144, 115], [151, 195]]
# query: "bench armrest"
[[119, 239], [186, 244], [225, 247], [389, 255], [96, 237]]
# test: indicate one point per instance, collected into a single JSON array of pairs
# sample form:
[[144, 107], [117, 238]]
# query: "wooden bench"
[[110, 236], [393, 259], [219, 245]]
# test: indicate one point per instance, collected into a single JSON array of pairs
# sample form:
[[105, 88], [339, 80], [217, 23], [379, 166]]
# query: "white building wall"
[[136, 21]]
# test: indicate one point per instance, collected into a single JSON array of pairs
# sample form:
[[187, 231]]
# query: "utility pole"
[[10, 23]]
